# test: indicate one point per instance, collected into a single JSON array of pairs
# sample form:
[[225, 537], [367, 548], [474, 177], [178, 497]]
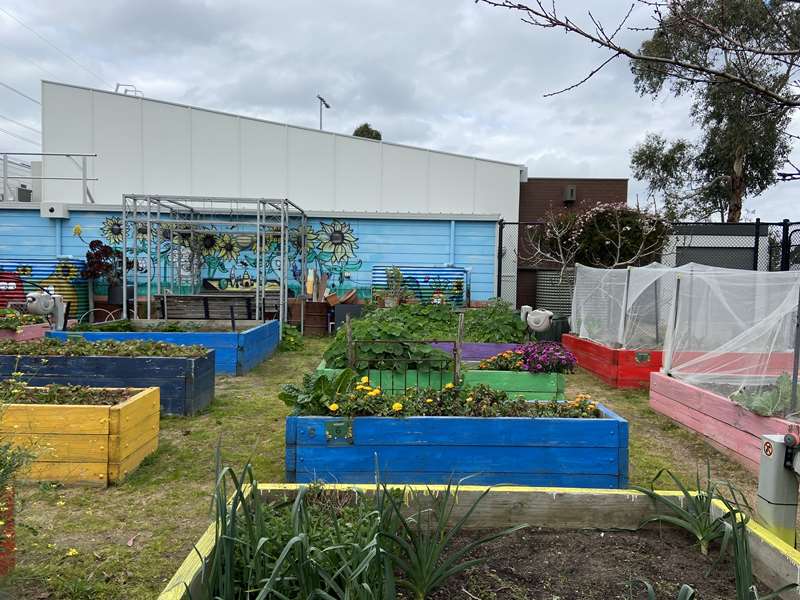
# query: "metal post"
[[5, 177], [785, 245], [258, 261], [303, 273], [458, 348], [757, 237], [500, 226], [149, 260], [124, 256], [135, 226], [348, 328], [656, 309], [624, 319], [673, 320], [796, 356], [83, 180]]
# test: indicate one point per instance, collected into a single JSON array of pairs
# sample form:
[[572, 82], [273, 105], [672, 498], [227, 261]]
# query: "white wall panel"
[[451, 184], [311, 169], [67, 127], [358, 175], [119, 149], [263, 159], [405, 180], [167, 148], [215, 154], [148, 146]]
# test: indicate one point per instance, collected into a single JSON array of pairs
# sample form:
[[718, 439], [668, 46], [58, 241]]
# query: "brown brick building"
[[542, 195]]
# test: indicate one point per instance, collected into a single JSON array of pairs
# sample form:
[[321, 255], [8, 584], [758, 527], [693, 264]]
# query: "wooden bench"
[[215, 306]]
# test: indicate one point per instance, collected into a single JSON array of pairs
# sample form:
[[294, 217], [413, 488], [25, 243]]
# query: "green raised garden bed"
[[540, 386], [531, 386]]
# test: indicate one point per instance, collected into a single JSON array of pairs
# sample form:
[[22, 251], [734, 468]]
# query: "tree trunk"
[[737, 187]]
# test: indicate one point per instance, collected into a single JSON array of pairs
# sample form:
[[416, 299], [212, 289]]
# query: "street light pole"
[[322, 102]]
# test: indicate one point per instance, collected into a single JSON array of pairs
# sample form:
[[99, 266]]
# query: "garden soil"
[[546, 564]]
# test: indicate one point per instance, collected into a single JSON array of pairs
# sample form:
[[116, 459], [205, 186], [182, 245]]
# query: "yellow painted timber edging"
[[774, 562], [94, 445]]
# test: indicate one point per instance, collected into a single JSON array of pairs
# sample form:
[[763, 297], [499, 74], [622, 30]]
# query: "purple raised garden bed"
[[476, 351]]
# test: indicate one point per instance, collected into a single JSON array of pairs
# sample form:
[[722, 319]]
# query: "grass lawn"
[[131, 538]]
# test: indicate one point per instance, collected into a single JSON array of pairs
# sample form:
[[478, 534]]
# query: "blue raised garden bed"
[[588, 453], [186, 383], [236, 352]]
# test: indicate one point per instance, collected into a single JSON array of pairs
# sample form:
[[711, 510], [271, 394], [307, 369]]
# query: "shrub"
[[292, 339]]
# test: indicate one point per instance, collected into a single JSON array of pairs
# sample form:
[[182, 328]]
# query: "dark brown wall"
[[540, 196]]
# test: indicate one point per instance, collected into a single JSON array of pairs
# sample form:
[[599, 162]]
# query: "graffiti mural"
[[226, 260], [18, 277]]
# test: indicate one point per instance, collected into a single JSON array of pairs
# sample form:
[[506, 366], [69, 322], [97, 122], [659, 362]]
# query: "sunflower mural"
[[336, 242], [113, 231]]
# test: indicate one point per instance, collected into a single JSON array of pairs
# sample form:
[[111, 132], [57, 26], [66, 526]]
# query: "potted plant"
[[103, 261]]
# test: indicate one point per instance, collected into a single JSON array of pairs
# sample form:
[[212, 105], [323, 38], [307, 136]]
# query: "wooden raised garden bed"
[[186, 383], [617, 367], [775, 563], [564, 452], [724, 424], [25, 332], [538, 386], [85, 444], [235, 352]]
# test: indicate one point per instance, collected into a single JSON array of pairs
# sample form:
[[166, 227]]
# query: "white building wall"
[[149, 146]]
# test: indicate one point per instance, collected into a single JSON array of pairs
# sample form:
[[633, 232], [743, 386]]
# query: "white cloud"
[[447, 74]]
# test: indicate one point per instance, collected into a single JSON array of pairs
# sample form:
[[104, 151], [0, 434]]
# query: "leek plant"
[[691, 511], [686, 592], [331, 545]]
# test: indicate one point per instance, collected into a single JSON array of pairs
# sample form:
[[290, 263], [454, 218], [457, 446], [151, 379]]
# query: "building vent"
[[570, 193]]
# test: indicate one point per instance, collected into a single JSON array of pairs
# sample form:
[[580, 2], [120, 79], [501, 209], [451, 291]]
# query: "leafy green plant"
[[423, 550], [767, 401], [686, 592], [318, 392], [692, 512], [81, 347], [496, 322], [13, 319], [125, 325], [292, 339]]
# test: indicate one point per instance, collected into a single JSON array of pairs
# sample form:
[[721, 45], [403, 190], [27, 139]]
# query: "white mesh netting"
[[734, 333], [625, 308]]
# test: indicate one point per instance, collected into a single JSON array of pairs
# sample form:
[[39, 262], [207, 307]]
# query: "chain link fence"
[[758, 246]]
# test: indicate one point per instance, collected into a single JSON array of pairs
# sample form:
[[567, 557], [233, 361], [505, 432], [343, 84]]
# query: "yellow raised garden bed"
[[94, 445]]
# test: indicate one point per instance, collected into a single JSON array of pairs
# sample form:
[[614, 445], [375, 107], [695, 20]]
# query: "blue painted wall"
[[24, 234]]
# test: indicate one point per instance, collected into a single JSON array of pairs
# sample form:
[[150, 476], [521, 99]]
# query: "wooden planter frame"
[[774, 562], [618, 367], [186, 383], [77, 444], [730, 428], [565, 452], [235, 352]]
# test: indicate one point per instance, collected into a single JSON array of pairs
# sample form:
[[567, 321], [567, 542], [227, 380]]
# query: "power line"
[[56, 48], [33, 62], [24, 139], [16, 91], [20, 124]]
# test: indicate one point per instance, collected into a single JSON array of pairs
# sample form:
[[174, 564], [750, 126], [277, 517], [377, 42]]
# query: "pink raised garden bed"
[[29, 332], [724, 424]]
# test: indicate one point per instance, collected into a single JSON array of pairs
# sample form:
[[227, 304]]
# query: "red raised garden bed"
[[616, 366], [724, 424]]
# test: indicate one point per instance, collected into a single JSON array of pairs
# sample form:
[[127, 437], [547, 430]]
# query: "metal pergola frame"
[[262, 217]]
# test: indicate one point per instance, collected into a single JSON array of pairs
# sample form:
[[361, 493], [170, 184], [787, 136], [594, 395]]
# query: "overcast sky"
[[444, 74]]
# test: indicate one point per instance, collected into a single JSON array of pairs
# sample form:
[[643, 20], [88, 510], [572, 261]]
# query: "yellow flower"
[[365, 379], [333, 407], [375, 392], [77, 230], [469, 398], [72, 552], [449, 386], [60, 503], [428, 400], [397, 407]]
